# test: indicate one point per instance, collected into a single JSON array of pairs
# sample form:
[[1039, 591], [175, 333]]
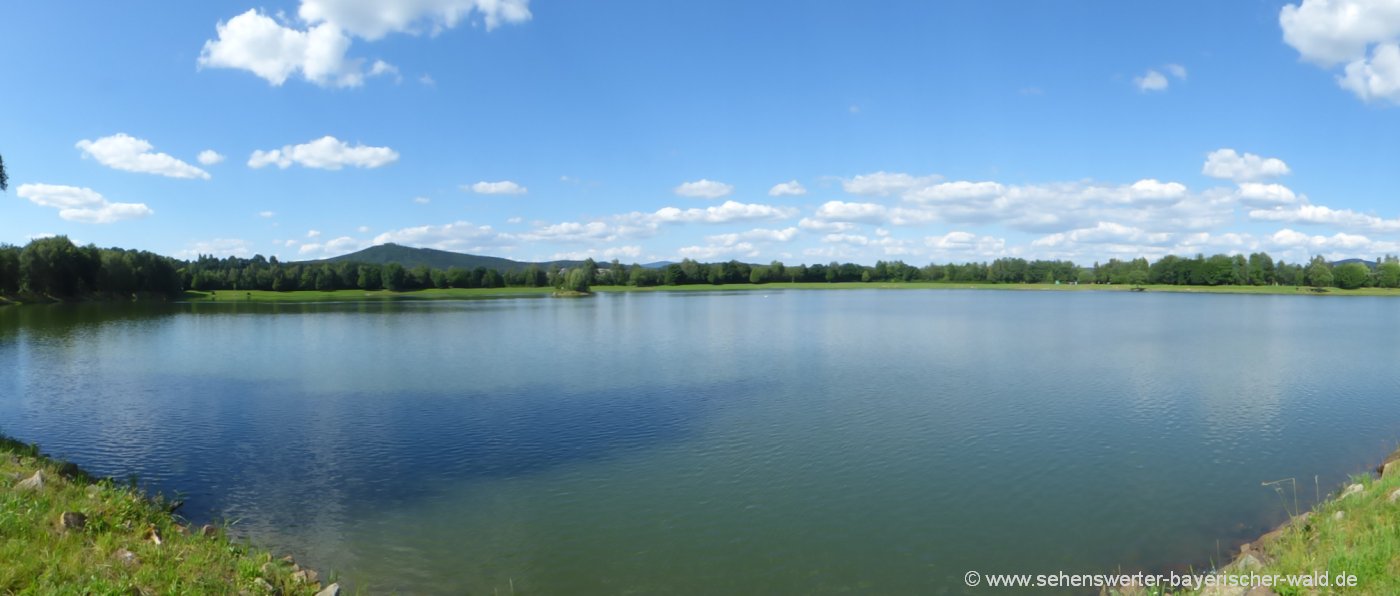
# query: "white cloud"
[[965, 245], [373, 19], [1103, 232], [704, 189], [462, 236], [381, 68], [884, 183], [504, 187], [325, 153], [427, 80], [727, 212], [852, 239], [1151, 81], [362, 229], [1176, 70], [82, 205], [331, 248], [1260, 194], [267, 214], [257, 43], [1230, 165], [791, 188], [718, 252], [1322, 215], [125, 152], [209, 157], [819, 225], [313, 233], [606, 254], [1333, 32], [571, 231], [422, 200], [754, 235], [850, 212], [219, 247], [514, 220], [276, 51], [959, 190]]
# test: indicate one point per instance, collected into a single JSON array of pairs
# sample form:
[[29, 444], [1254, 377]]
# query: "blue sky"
[[805, 131]]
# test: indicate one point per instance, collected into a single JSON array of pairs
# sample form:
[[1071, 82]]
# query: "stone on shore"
[[72, 520], [35, 482], [1395, 495], [128, 557], [1352, 490], [331, 590]]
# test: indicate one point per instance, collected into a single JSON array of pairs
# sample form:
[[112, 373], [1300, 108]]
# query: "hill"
[[411, 257], [1371, 264]]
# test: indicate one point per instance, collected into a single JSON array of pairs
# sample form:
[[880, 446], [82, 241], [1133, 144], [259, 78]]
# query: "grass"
[[113, 552], [484, 293], [1364, 542]]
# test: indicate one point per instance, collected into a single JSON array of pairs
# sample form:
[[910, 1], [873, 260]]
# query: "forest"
[[54, 267]]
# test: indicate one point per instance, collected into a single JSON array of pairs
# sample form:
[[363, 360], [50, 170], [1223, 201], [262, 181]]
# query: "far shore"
[[545, 292]]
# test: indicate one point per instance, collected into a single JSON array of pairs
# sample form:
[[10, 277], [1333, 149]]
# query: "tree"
[[1388, 274], [394, 277], [4, 178], [1319, 273], [1352, 275], [577, 280]]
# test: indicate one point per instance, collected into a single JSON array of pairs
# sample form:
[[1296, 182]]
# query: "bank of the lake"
[[1356, 532], [64, 531], [517, 292]]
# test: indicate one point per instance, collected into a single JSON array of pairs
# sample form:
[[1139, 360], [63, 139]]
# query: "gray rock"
[[72, 520], [305, 576], [35, 482], [1395, 495], [1352, 490], [208, 530], [1339, 516], [1390, 469], [331, 590], [128, 557]]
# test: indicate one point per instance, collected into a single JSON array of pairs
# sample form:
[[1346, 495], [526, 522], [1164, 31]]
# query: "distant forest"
[[55, 267]]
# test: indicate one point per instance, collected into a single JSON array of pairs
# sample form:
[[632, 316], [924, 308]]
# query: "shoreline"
[[313, 296], [65, 530]]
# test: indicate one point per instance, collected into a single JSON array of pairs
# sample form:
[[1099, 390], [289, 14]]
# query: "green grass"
[[485, 293], [1365, 542], [40, 557]]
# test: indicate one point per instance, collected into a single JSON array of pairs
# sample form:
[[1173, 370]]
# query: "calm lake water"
[[783, 443]]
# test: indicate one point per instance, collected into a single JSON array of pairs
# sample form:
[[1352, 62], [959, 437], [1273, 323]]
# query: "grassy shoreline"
[[72, 533], [516, 292]]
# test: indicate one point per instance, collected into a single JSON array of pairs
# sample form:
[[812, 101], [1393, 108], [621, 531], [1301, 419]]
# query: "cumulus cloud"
[[1176, 70], [1230, 165], [715, 251], [325, 153], [316, 48], [331, 248], [725, 213], [422, 200], [267, 214], [209, 157], [1151, 81], [1259, 194], [125, 152], [704, 189], [462, 236], [955, 191], [791, 188], [1362, 34], [504, 187], [884, 183], [80, 204], [1323, 215], [754, 235], [604, 254], [218, 247], [965, 245]]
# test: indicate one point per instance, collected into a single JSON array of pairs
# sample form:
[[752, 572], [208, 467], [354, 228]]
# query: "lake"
[[786, 442]]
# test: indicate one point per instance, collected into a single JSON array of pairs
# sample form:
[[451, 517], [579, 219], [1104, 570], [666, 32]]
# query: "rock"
[[1390, 469], [208, 530], [128, 557], [331, 590], [93, 491], [72, 520], [153, 535], [288, 560], [1339, 516], [35, 482], [1352, 490], [264, 587], [305, 576], [1246, 562], [1395, 495]]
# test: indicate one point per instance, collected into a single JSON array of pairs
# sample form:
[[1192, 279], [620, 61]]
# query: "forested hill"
[[410, 257]]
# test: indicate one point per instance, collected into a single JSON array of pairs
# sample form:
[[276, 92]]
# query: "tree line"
[[56, 267]]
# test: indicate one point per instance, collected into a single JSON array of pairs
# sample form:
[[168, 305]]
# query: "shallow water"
[[788, 442]]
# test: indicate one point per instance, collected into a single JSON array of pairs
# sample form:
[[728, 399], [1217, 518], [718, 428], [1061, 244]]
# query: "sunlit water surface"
[[750, 442]]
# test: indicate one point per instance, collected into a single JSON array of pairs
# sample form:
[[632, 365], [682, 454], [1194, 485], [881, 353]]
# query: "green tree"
[[1319, 273], [1352, 275], [577, 280], [394, 277], [1388, 274]]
